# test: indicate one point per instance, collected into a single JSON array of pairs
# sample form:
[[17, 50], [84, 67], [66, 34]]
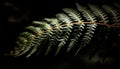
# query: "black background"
[[17, 14]]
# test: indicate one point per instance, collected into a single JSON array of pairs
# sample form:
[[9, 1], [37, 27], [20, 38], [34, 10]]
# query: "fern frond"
[[57, 32], [66, 30], [69, 32], [115, 15], [90, 29], [73, 14], [86, 13], [101, 15], [77, 29]]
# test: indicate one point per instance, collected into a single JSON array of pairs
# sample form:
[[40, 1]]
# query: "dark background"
[[17, 14]]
